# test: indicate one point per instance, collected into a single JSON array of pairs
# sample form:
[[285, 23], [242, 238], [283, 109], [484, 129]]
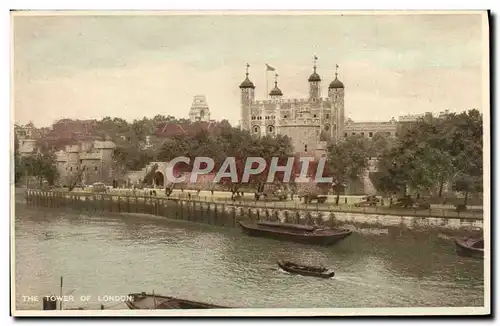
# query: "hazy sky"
[[133, 66]]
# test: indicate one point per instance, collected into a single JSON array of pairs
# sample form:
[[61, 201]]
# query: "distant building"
[[199, 109], [369, 128]]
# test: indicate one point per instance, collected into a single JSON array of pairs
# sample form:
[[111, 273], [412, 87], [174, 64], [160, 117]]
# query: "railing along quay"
[[215, 209]]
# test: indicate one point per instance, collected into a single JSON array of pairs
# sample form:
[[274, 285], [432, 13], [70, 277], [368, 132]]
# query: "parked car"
[[370, 200], [99, 187], [308, 198]]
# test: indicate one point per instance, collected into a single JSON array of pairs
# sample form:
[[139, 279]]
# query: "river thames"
[[106, 255]]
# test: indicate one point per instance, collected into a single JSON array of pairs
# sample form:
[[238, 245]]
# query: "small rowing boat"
[[470, 247], [305, 270]]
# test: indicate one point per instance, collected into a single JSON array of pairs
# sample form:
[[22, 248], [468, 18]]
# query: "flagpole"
[[267, 82]]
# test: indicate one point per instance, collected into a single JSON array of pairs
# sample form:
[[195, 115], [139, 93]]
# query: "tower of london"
[[309, 122]]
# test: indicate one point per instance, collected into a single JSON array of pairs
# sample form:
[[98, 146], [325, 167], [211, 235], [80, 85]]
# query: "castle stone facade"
[[87, 162], [309, 122]]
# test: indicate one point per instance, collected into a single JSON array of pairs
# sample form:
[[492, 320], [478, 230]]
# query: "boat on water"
[[305, 270], [153, 301], [470, 247], [296, 233]]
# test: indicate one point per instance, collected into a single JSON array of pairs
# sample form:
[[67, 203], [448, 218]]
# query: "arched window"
[[270, 128], [256, 129], [314, 116], [327, 116], [305, 148]]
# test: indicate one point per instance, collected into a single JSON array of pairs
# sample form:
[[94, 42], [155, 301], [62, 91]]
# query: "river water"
[[102, 255]]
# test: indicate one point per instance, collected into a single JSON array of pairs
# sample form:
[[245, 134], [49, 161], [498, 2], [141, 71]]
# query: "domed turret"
[[314, 83], [314, 76], [247, 90], [336, 83], [276, 91], [247, 83]]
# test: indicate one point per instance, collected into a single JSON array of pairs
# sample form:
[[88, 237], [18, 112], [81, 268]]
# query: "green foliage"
[[433, 151], [41, 165], [347, 160], [225, 142]]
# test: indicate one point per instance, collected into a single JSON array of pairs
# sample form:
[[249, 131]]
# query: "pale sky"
[[85, 67]]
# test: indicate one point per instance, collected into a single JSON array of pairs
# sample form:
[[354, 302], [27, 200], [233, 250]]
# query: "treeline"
[[432, 153]]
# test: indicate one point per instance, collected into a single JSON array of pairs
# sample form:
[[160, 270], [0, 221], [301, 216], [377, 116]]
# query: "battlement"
[[287, 100], [72, 148], [90, 156], [61, 156], [104, 144]]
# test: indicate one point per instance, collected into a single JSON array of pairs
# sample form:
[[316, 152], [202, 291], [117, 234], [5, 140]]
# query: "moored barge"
[[153, 301], [296, 233]]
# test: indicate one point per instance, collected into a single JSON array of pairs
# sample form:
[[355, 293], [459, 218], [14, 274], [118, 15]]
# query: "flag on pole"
[[269, 68]]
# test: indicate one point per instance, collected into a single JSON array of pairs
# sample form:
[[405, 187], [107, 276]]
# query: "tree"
[[41, 166], [346, 161]]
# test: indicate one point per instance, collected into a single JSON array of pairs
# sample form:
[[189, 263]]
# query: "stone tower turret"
[[336, 95], [105, 149], [247, 97], [314, 84]]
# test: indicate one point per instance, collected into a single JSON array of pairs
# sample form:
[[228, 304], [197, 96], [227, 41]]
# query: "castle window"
[[267, 117], [327, 127], [314, 116], [370, 134], [327, 116], [253, 117], [345, 134], [270, 129], [305, 148], [396, 134], [71, 168], [95, 168], [256, 129], [353, 133], [285, 116]]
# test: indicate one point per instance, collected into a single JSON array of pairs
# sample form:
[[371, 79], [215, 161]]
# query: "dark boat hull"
[[149, 301], [326, 239], [464, 249], [326, 274]]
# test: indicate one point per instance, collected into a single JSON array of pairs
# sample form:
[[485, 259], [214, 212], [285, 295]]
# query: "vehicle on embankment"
[[313, 235]]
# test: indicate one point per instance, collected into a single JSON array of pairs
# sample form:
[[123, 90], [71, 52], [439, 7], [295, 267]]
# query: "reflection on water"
[[119, 254]]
